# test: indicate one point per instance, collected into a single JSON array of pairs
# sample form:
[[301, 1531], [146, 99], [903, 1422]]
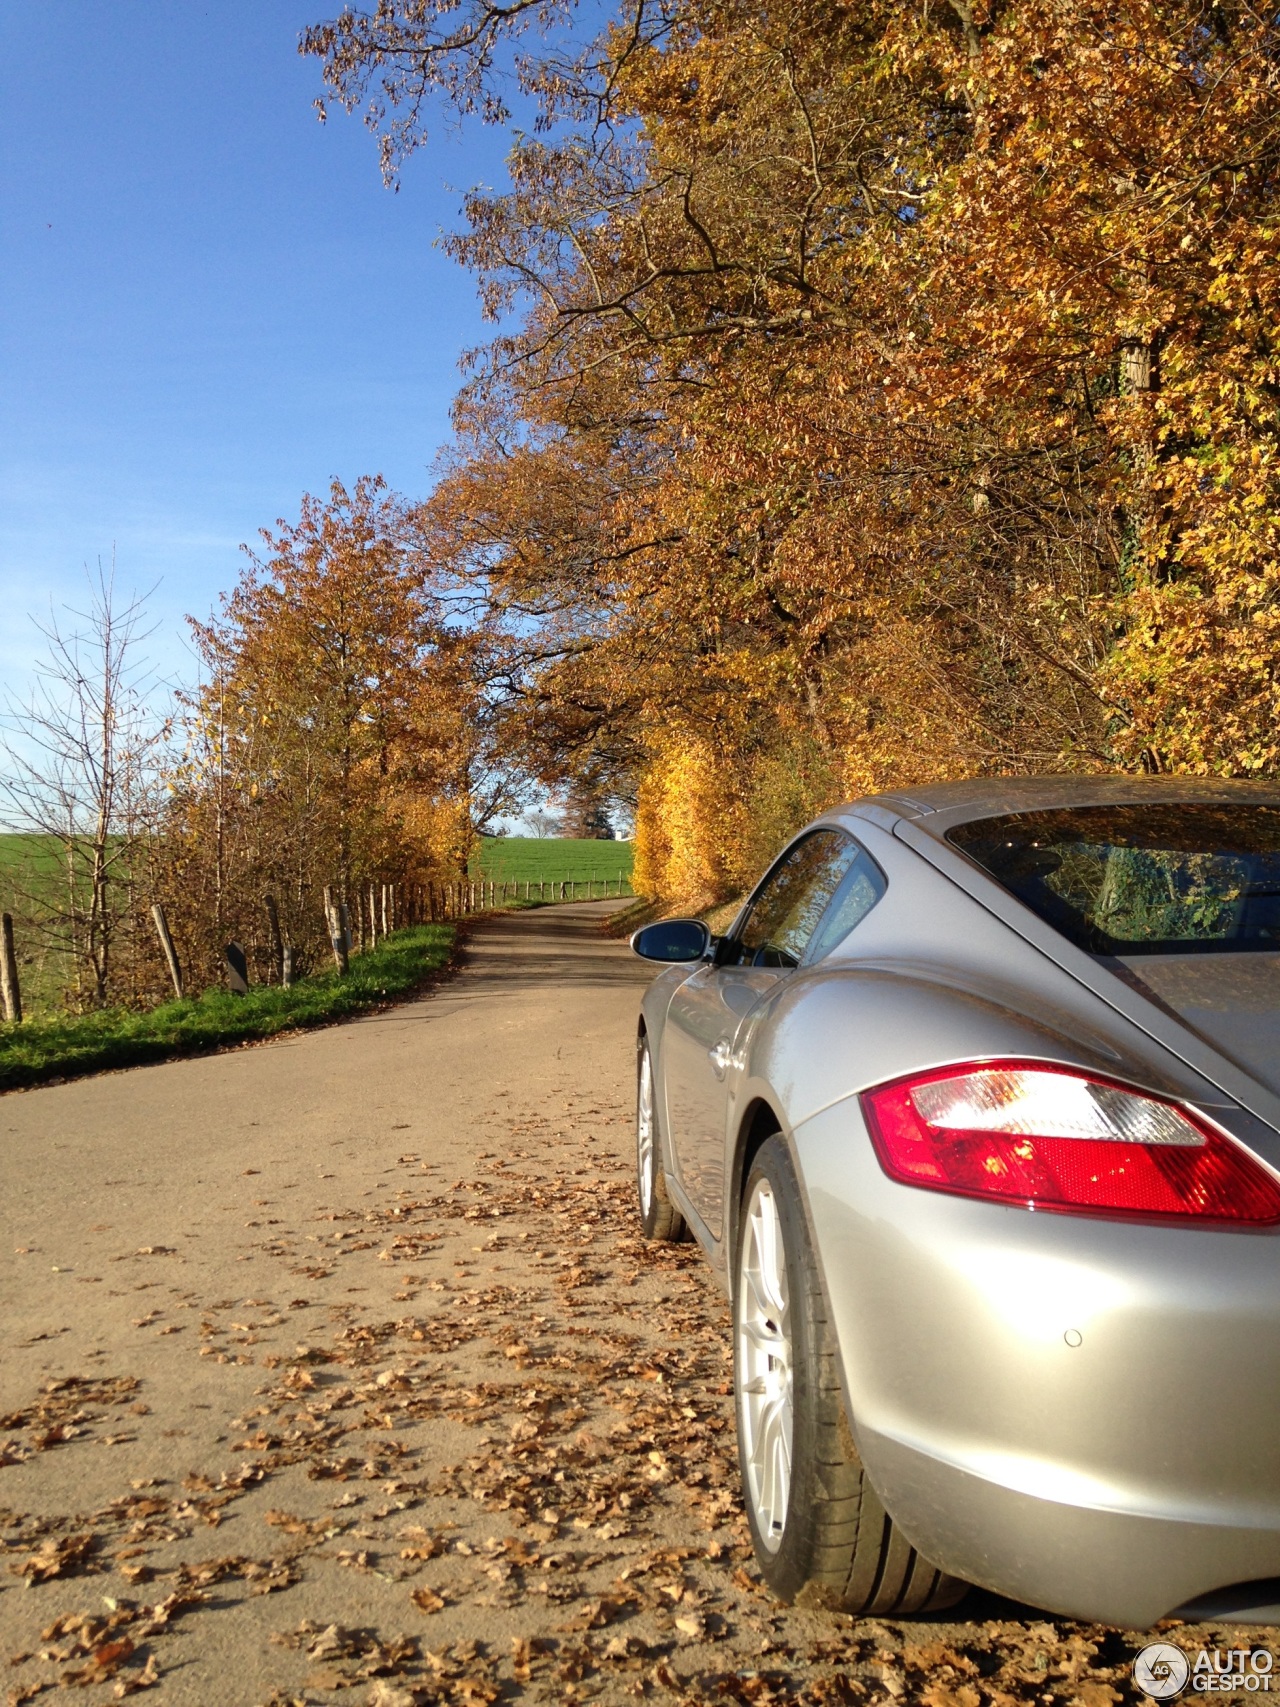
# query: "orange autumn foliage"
[[335, 741], [895, 396]]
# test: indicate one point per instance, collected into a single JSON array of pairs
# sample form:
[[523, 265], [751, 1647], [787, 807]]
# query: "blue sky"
[[210, 303]]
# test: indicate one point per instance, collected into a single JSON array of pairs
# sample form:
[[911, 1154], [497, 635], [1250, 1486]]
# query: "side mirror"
[[672, 939]]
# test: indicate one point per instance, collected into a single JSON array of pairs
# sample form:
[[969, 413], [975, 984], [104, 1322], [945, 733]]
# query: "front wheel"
[[820, 1533], [659, 1217]]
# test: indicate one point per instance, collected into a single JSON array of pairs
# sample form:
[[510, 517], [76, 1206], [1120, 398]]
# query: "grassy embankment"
[[67, 1045], [719, 915], [555, 859], [52, 1043]]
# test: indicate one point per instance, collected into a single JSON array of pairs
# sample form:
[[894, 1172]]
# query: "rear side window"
[[1141, 879], [791, 902], [861, 887]]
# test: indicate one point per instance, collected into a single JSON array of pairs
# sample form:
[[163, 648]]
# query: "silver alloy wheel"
[[644, 1134], [766, 1412]]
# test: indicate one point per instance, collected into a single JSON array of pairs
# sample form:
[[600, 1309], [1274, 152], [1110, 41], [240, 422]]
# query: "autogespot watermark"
[[1164, 1671]]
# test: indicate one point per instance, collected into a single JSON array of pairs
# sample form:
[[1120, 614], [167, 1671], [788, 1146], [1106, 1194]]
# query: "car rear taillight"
[[1046, 1137]]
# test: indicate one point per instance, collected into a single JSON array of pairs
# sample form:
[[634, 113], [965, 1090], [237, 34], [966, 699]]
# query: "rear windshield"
[[1157, 879]]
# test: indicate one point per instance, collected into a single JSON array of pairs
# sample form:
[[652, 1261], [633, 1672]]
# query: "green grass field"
[[552, 859], [71, 1044], [31, 868], [27, 861]]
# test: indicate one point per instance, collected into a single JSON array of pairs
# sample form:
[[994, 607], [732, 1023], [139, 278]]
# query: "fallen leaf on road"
[[384, 1694], [420, 1544], [57, 1558]]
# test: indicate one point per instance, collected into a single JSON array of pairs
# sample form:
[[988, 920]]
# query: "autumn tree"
[[337, 738], [894, 394]]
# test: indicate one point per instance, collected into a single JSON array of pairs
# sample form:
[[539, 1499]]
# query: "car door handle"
[[720, 1057]]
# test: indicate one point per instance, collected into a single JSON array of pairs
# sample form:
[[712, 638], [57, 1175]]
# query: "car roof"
[[951, 803]]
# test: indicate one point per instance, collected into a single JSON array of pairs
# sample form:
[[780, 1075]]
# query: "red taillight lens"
[[1045, 1137]]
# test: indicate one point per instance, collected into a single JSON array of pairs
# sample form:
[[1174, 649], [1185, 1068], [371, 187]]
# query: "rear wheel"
[[820, 1533], [659, 1217]]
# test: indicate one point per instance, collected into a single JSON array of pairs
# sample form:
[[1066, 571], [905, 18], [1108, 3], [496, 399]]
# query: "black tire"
[[826, 1540], [659, 1217]]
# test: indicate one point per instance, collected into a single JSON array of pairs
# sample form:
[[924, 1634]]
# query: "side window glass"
[[792, 901], [860, 888]]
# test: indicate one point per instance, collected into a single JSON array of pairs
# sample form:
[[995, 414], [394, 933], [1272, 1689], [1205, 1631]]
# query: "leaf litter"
[[544, 1454]]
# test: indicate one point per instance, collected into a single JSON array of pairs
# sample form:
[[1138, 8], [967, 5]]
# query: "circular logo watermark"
[[1161, 1671]]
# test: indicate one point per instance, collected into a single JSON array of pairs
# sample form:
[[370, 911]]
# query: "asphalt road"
[[334, 1369]]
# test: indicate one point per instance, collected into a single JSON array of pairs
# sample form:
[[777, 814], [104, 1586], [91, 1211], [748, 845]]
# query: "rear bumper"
[[1074, 1412], [1114, 1567]]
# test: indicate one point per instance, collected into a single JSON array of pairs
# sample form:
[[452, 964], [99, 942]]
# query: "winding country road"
[[335, 1365]]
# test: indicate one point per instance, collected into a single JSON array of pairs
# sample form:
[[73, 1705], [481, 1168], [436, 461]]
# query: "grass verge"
[[72, 1044], [719, 915]]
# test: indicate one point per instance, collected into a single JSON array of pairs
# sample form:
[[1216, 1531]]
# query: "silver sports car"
[[976, 1113]]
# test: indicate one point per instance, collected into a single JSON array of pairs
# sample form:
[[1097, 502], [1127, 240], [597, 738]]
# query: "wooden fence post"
[[237, 970], [170, 953], [10, 990], [277, 941]]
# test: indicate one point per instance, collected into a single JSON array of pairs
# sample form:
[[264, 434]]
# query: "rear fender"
[[831, 1034]]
